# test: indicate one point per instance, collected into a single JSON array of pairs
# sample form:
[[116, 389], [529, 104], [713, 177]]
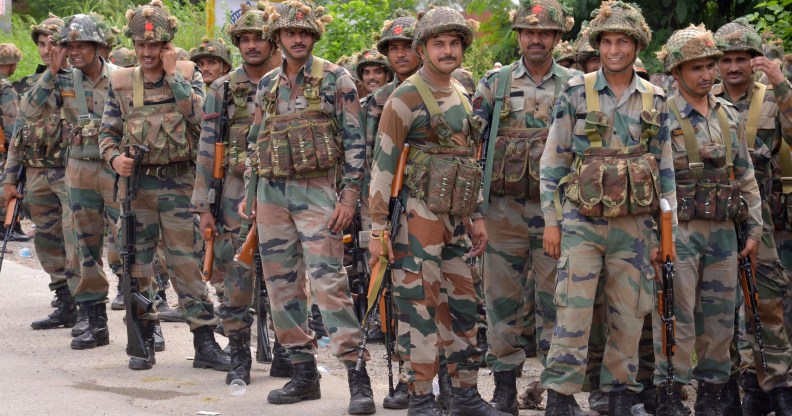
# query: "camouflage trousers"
[[514, 264], [297, 246], [431, 284], [46, 201], [90, 186], [620, 247], [705, 286], [162, 209]]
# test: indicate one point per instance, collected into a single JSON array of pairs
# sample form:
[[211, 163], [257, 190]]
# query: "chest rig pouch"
[[706, 189], [42, 143], [615, 182], [84, 134], [240, 124], [446, 177]]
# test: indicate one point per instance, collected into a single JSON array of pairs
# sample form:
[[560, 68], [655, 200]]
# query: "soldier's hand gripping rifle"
[[381, 273], [136, 304], [750, 292], [359, 277], [13, 212], [665, 295], [215, 194]]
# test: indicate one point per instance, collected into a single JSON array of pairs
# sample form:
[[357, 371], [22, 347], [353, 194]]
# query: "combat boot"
[[303, 386], [82, 322], [241, 360], [561, 405], [505, 396], [755, 402], [648, 396], [163, 305], [530, 347], [708, 399], [677, 407], [281, 363], [361, 401], [444, 381], [782, 401], [424, 405], [466, 401], [97, 333], [145, 363], [597, 399], [158, 338], [620, 403], [118, 303], [400, 399], [64, 316], [208, 353], [730, 399]]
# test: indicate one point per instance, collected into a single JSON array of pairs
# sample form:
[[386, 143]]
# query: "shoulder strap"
[[79, 93], [752, 124], [691, 145], [725, 135], [137, 88], [317, 70], [647, 98], [785, 165], [592, 96], [504, 79], [426, 95]]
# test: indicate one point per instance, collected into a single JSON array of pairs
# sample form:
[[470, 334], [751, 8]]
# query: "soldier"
[[308, 103], [251, 34], [465, 79], [428, 263], [713, 172], [586, 57], [123, 57], [767, 112], [110, 36], [373, 70], [157, 104], [611, 122], [213, 59], [564, 54], [515, 262], [39, 147], [181, 54], [10, 56]]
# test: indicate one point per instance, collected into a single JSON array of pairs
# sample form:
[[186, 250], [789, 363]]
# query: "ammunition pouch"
[[41, 143], [164, 130], [84, 139], [515, 169], [447, 179]]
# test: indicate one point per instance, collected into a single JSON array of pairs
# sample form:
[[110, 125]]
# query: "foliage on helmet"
[[151, 23], [542, 15], [621, 17], [301, 14]]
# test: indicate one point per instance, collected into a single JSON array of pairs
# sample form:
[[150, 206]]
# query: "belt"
[[171, 170], [296, 176]]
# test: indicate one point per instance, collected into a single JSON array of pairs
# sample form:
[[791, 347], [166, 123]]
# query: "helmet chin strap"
[[686, 87]]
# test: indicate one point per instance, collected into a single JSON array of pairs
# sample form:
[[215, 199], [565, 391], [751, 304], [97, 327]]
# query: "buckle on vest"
[[696, 165]]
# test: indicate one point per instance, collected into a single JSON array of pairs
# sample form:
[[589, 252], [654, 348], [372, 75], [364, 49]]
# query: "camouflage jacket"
[[708, 130], [775, 123], [9, 106], [372, 111], [567, 138], [189, 96], [339, 98], [242, 89], [405, 119]]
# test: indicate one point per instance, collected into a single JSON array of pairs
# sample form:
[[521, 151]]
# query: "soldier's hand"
[[10, 191], [243, 207], [551, 242], [479, 237], [123, 165], [750, 250], [57, 56], [207, 221], [375, 249], [773, 71], [342, 217], [168, 56]]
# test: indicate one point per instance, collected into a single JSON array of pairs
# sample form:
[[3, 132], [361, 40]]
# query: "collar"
[[105, 71], [686, 110], [305, 71], [719, 90], [240, 76], [635, 84], [519, 69]]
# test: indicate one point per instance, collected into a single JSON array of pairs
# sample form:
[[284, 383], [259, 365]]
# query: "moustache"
[[298, 45], [448, 58]]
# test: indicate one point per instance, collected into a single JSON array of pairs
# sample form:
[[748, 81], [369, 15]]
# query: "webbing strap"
[[724, 125], [592, 96], [79, 93], [648, 96], [691, 145], [431, 103], [137, 88], [785, 163], [317, 68], [504, 80], [241, 111], [754, 110]]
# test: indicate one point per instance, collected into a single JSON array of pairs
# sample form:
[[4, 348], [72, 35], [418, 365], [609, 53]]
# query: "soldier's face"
[[8, 69], [735, 68], [374, 76], [255, 50], [537, 45], [617, 51], [211, 69], [296, 43], [445, 52], [593, 64], [148, 54], [696, 77], [42, 43], [402, 57], [81, 54]]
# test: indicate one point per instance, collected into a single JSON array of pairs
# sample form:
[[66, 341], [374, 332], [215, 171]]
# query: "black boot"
[[316, 323], [530, 347], [208, 353], [159, 339], [677, 407], [730, 399], [65, 316], [118, 303], [219, 329], [55, 302], [281, 363], [466, 401], [97, 333], [361, 401], [756, 401], [145, 363], [82, 322], [424, 405], [620, 403], [400, 399], [561, 405], [163, 305], [598, 401], [303, 386], [18, 234], [782, 401], [708, 399], [505, 396], [444, 381], [648, 396], [241, 360]]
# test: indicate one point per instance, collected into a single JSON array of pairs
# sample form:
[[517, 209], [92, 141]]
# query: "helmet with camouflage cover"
[[739, 36], [400, 28], [111, 33], [211, 48], [563, 51], [123, 57], [301, 14], [150, 23], [438, 20], [52, 25], [9, 54], [182, 54], [583, 49], [80, 28], [370, 57], [252, 20], [621, 17], [685, 45], [348, 63], [541, 15]]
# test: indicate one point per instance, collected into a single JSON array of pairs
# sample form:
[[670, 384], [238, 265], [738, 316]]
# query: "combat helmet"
[[348, 63], [621, 17], [583, 49], [772, 46], [81, 28], [50, 26], [370, 57], [111, 33], [684, 45], [151, 23], [437, 20], [541, 15], [301, 14], [739, 36], [9, 54], [123, 57], [252, 20], [563, 51], [211, 48], [400, 28]]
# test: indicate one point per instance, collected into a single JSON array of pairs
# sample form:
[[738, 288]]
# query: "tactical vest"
[[615, 182], [446, 177], [159, 126], [301, 145], [705, 186], [41, 143], [83, 136], [240, 123]]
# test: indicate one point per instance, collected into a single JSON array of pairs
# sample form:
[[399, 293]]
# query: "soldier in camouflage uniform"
[[564, 54], [614, 121], [123, 57], [306, 128], [515, 263], [10, 56], [251, 35], [166, 97], [372, 70], [769, 128], [39, 147], [713, 172], [213, 59], [429, 264], [586, 57]]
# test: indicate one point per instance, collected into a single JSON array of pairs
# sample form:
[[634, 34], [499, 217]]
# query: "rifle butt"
[[208, 264], [248, 248], [11, 213]]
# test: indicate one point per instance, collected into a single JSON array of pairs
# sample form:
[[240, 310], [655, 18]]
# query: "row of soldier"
[[571, 246]]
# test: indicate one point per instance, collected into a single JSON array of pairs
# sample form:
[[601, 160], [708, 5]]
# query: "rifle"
[[665, 295], [359, 281], [750, 292], [3, 147], [13, 211], [381, 283], [136, 304], [215, 194]]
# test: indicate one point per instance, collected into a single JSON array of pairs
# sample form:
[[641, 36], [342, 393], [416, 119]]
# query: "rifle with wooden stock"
[[750, 291], [13, 212], [215, 194], [665, 296]]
